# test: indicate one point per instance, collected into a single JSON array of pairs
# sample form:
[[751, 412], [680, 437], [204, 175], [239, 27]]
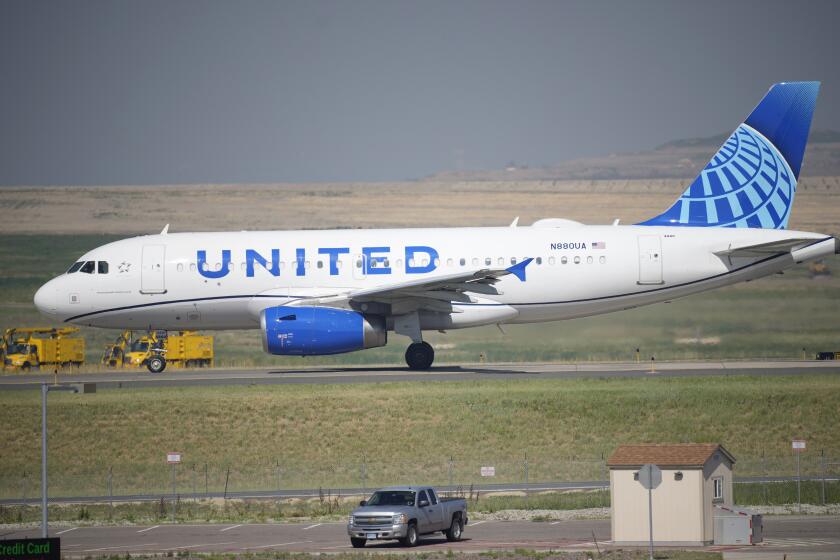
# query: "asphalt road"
[[364, 374], [782, 534]]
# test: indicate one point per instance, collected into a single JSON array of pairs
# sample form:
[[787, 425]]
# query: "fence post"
[[174, 492], [764, 483], [206, 479], [25, 485], [111, 485], [277, 466], [822, 470], [527, 492], [227, 478], [195, 489]]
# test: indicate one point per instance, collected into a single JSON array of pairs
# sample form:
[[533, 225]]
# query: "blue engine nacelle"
[[315, 331]]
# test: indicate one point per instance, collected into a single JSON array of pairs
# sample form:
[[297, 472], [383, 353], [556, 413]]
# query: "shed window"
[[717, 485]]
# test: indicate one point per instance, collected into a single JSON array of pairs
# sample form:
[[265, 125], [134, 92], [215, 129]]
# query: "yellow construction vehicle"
[[115, 353], [25, 349], [156, 349]]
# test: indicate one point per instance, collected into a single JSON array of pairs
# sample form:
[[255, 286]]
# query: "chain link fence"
[[762, 480]]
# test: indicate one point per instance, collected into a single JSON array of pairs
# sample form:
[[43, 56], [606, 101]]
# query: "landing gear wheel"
[[156, 364], [453, 534], [410, 539], [420, 355], [357, 543]]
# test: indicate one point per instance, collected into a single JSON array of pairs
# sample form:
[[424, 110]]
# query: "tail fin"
[[751, 180]]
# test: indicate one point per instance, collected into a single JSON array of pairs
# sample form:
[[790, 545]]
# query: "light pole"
[[74, 388]]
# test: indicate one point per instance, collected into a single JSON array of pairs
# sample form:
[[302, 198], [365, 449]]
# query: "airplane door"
[[650, 259], [152, 270]]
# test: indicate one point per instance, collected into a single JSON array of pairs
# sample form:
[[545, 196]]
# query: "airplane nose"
[[46, 299]]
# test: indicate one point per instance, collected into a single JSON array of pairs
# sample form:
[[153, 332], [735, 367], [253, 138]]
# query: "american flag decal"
[[599, 245]]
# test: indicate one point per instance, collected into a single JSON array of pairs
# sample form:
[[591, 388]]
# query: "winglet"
[[518, 270]]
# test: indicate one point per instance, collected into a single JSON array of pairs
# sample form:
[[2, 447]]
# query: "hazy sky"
[[110, 92]]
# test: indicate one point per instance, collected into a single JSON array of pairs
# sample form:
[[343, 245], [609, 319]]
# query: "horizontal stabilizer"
[[765, 249]]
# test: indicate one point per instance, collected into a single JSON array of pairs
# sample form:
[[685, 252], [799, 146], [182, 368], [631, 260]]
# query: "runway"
[[783, 534], [367, 374]]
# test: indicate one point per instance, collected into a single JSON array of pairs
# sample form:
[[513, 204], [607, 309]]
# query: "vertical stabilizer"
[[751, 180]]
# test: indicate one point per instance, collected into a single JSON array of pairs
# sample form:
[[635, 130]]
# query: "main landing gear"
[[420, 355]]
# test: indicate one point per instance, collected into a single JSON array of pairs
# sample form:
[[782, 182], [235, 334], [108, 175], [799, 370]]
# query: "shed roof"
[[666, 454]]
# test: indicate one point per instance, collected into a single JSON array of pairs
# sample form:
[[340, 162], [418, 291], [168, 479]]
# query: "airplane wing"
[[764, 249], [436, 293]]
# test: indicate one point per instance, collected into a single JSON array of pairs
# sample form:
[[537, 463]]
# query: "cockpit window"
[[102, 267], [88, 267], [75, 267]]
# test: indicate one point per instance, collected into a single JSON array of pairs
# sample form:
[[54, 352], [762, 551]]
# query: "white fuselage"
[[154, 282]]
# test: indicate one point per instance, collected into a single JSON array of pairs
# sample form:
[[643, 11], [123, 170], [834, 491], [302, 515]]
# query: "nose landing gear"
[[420, 356]]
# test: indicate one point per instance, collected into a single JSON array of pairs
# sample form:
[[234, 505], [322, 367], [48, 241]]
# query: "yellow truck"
[[156, 349], [32, 348]]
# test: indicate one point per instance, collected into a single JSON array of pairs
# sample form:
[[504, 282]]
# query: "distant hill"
[[678, 159]]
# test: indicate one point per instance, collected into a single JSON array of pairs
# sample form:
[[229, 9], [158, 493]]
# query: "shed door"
[[152, 270], [650, 259]]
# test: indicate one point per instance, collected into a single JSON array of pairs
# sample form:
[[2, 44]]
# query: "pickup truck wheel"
[[156, 364], [410, 538], [357, 543], [454, 532]]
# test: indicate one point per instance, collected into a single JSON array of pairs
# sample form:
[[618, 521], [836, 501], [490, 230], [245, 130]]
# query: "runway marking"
[[203, 544], [229, 528], [67, 530], [312, 526], [279, 544], [477, 523], [557, 523], [129, 546], [335, 547], [148, 529], [794, 542]]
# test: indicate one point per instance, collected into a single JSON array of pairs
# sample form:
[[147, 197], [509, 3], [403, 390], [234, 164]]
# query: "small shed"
[[695, 478]]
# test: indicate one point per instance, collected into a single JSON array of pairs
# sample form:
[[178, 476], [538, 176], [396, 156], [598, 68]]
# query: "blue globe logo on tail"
[[751, 180]]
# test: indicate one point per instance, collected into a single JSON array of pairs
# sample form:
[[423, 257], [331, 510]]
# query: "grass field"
[[771, 318], [332, 436]]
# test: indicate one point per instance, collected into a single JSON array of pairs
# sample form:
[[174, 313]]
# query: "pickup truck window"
[[392, 498], [422, 497], [432, 497]]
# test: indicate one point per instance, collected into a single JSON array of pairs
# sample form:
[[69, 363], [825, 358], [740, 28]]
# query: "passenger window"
[[433, 497], [577, 260], [602, 260], [563, 260], [180, 267], [75, 267], [501, 261], [539, 260], [488, 261], [448, 262], [463, 261], [475, 261], [88, 267], [589, 260], [513, 260], [192, 267], [320, 264], [422, 497], [551, 260]]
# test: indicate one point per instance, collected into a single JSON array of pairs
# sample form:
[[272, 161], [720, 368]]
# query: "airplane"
[[336, 291]]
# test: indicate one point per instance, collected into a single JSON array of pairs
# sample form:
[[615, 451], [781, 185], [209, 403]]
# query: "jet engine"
[[315, 331]]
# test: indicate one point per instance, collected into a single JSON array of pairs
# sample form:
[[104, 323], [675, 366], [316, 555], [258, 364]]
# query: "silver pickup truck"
[[405, 513]]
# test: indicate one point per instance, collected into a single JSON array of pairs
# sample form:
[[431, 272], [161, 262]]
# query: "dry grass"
[[146, 209]]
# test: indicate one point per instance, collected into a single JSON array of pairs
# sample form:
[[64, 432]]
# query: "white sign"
[[798, 445], [173, 457], [488, 471], [650, 476]]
